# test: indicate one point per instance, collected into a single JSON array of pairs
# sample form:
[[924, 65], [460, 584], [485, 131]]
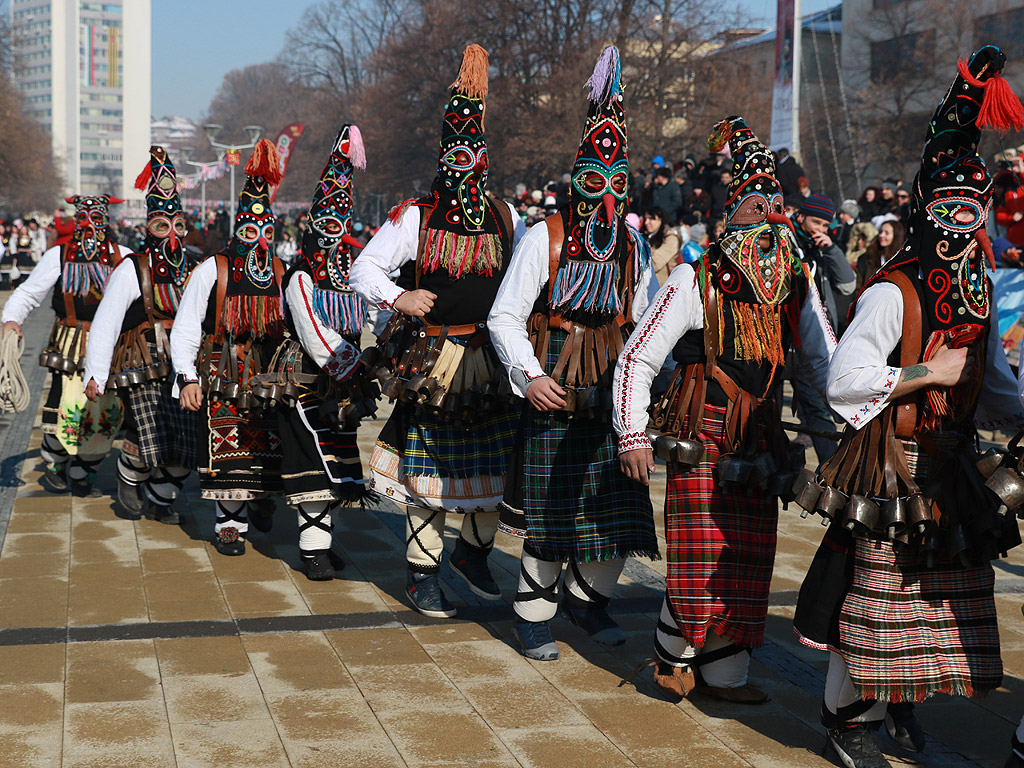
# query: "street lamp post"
[[186, 154], [253, 132]]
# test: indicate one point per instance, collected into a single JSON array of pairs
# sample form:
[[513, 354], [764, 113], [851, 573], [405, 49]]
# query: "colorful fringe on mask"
[[79, 278], [344, 312], [258, 315], [459, 254], [758, 333], [587, 286], [167, 296]]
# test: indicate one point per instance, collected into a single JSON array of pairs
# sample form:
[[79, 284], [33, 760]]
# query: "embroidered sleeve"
[[631, 441]]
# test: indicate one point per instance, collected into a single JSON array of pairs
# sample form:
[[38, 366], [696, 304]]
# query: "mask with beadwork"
[[165, 230], [754, 263], [462, 233], [252, 301], [597, 238], [327, 242], [89, 257], [953, 192]]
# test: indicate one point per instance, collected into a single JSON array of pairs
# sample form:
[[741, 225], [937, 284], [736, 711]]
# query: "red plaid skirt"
[[721, 549]]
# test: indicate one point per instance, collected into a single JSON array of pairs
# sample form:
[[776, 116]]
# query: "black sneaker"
[[535, 640], [424, 591], [855, 746], [229, 541], [53, 478], [903, 728], [129, 495], [318, 567], [162, 513], [592, 619], [1016, 759], [470, 563]]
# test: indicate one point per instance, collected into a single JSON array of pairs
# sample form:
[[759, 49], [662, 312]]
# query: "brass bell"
[[733, 469], [136, 377], [861, 514], [229, 390], [989, 462], [807, 490], [570, 400], [164, 368], [918, 513], [436, 402], [371, 357], [688, 452], [392, 388], [66, 365], [1008, 486], [894, 517], [426, 390], [452, 407], [412, 389], [830, 502]]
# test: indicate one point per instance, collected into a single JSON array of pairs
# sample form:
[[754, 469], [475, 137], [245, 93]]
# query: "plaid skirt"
[[157, 429], [319, 462], [905, 631], [720, 549], [574, 500], [239, 454], [425, 462]]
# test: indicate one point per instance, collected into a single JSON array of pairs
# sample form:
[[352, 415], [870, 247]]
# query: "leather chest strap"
[[910, 353]]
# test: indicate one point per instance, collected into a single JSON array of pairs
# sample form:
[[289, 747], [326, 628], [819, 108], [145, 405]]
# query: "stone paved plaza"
[[130, 643]]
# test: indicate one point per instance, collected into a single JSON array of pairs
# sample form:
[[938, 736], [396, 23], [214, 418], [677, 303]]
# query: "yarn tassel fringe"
[[343, 312], [259, 315], [79, 278], [759, 333], [587, 286], [472, 79], [606, 82], [1001, 109], [167, 296], [461, 254]]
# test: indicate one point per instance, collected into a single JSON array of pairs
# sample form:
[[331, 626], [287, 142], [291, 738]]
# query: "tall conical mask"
[[327, 242], [165, 223]]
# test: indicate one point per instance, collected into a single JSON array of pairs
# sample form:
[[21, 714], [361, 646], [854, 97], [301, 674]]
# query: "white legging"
[[840, 692], [81, 466], [161, 485], [537, 596], [672, 648], [316, 527], [424, 534]]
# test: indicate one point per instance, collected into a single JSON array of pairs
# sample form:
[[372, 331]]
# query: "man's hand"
[[10, 325], [947, 368], [415, 303], [191, 397], [821, 240], [638, 465], [91, 390], [545, 395], [1017, 216]]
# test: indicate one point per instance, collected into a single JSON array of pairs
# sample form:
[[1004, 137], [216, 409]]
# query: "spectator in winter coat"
[[847, 215], [719, 194], [788, 171], [1011, 213], [665, 194], [664, 242]]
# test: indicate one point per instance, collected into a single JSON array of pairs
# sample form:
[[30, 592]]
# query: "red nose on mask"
[[350, 241], [173, 240], [780, 220], [986, 247], [263, 244], [609, 207]]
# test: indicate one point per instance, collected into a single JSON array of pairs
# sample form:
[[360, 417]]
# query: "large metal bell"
[[861, 514], [807, 489], [762, 467], [894, 517], [919, 513], [688, 452], [830, 502], [665, 447], [990, 461], [733, 469], [1008, 486], [392, 388]]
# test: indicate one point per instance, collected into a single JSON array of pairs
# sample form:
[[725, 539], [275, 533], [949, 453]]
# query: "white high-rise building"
[[84, 68]]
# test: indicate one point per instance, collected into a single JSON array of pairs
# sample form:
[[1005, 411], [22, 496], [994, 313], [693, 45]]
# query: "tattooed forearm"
[[912, 372]]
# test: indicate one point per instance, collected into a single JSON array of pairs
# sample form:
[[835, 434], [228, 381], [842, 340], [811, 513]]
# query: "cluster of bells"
[[758, 472], [912, 518], [60, 363], [125, 380]]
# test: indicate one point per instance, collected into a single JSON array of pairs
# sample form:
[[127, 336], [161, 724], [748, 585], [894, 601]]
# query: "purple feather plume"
[[605, 83]]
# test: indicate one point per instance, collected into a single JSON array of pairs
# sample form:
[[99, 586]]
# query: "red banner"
[[285, 144], [233, 157]]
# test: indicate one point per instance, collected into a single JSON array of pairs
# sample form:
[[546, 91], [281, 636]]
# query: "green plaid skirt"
[[574, 502]]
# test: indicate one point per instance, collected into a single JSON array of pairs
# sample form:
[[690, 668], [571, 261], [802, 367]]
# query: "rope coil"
[[14, 392]]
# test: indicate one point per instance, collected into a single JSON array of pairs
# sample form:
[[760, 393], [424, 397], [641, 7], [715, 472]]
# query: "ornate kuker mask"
[[328, 239], [92, 237], [165, 222]]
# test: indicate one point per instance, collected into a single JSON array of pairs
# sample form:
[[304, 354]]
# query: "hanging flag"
[[285, 144], [786, 94], [113, 60]]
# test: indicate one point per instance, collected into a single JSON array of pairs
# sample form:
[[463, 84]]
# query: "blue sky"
[[195, 42]]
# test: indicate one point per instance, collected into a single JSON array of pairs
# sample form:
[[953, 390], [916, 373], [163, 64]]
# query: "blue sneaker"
[[424, 591], [470, 563], [593, 619], [535, 640]]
